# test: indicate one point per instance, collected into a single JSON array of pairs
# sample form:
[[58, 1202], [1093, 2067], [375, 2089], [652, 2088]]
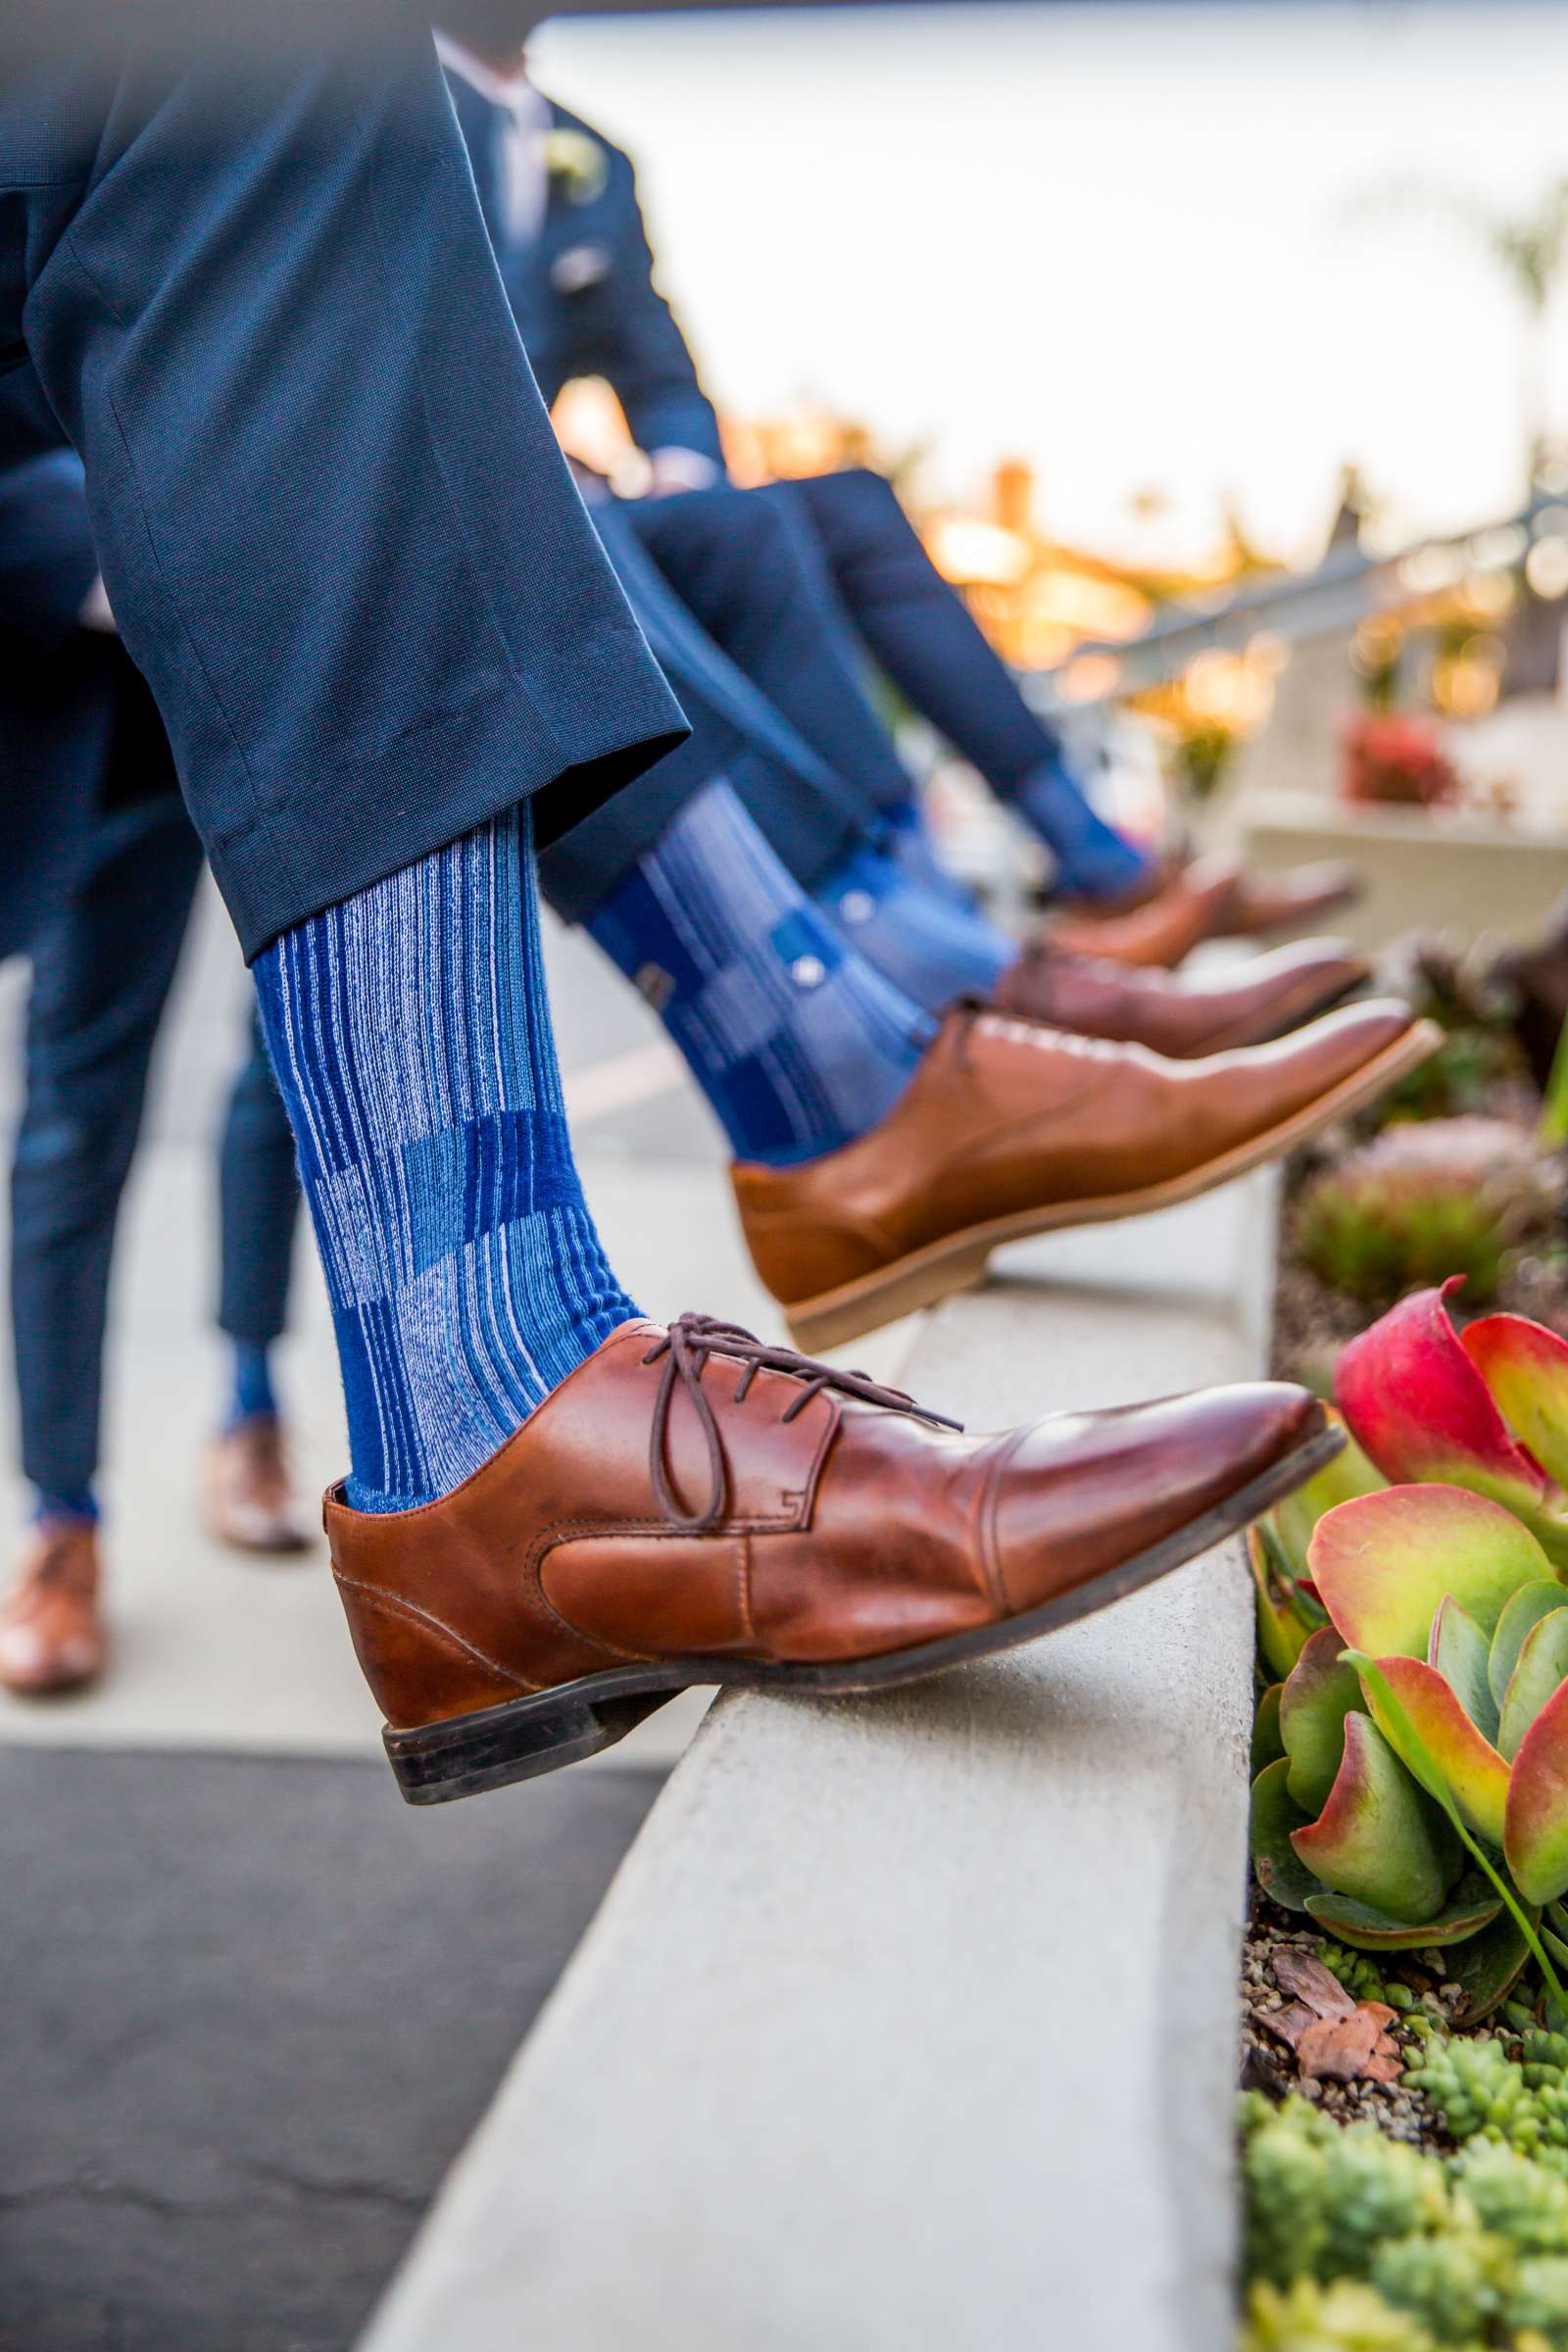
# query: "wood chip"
[[1289, 2023], [1338, 2048], [1311, 1981]]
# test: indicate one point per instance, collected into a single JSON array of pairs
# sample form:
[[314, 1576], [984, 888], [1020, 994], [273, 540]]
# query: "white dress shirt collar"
[[525, 111]]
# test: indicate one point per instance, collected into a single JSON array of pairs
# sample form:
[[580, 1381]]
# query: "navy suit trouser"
[[711, 577], [259, 1200], [739, 609], [102, 970], [350, 562], [872, 573]]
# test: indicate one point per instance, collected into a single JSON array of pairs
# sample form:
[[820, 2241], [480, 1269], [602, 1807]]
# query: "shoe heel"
[[840, 1316], [436, 1763]]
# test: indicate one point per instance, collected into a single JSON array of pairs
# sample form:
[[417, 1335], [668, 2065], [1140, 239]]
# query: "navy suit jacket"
[[583, 293]]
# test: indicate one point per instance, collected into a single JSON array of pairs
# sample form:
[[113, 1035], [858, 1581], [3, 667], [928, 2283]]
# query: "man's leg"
[[351, 564], [102, 972], [243, 296], [743, 569], [737, 563], [919, 632], [913, 927], [250, 1502], [411, 1035], [798, 1044], [802, 809], [259, 1202], [101, 978]]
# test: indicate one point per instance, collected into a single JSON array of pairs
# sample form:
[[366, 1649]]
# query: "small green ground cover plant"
[[1354, 2241]]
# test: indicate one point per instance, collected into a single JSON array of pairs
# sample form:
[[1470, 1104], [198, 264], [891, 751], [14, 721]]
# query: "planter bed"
[[1405, 2109]]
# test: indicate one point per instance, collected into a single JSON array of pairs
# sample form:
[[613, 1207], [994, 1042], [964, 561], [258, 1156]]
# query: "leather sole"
[[959, 1261], [435, 1763]]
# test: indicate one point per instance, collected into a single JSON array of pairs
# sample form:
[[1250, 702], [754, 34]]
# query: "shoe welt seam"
[[743, 1588], [392, 1604]]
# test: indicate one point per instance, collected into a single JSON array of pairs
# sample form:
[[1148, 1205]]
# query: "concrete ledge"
[[911, 2024], [1422, 869]]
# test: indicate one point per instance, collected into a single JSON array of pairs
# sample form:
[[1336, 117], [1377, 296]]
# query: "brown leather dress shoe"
[[1267, 996], [249, 1504], [51, 1628], [1289, 900], [1191, 908], [1007, 1130], [692, 1506]]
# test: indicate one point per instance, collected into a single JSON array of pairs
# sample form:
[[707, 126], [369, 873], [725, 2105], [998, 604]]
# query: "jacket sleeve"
[[641, 349]]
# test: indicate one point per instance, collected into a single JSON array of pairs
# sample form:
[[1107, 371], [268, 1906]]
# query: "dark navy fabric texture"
[[333, 523], [260, 1204], [102, 971], [583, 291]]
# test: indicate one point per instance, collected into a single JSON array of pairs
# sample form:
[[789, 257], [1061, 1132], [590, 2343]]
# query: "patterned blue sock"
[[410, 1032], [797, 1045], [83, 1504], [250, 1397], [907, 841], [933, 951], [1093, 860]]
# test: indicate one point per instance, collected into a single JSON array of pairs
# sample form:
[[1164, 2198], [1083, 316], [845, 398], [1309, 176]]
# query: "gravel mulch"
[[1268, 2064]]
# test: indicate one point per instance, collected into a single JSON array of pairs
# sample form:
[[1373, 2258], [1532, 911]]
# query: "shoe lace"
[[686, 1348]]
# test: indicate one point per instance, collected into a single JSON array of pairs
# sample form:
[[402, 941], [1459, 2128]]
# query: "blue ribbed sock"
[[250, 1397], [907, 841], [797, 1043], [410, 1032], [933, 951], [1093, 860]]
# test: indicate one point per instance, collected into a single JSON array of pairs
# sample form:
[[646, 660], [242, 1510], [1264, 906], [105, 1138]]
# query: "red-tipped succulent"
[[1486, 1407], [1414, 1789], [1422, 1786]]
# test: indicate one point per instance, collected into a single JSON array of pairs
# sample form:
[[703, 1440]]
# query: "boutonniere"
[[575, 164]]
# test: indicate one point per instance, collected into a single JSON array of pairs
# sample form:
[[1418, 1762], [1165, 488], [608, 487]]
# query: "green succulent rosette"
[[1420, 1792]]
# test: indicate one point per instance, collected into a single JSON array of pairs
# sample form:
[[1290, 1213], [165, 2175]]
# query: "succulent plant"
[[1289, 1609], [1347, 2317], [1358, 2243], [1448, 1196], [1478, 1010], [1483, 2094], [1486, 1407], [1422, 1797]]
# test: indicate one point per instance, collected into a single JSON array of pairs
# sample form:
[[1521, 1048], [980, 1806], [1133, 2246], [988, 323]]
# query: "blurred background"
[[1219, 352]]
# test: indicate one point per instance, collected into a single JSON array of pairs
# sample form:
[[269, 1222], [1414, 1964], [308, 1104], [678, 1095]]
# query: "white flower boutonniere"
[[576, 163]]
